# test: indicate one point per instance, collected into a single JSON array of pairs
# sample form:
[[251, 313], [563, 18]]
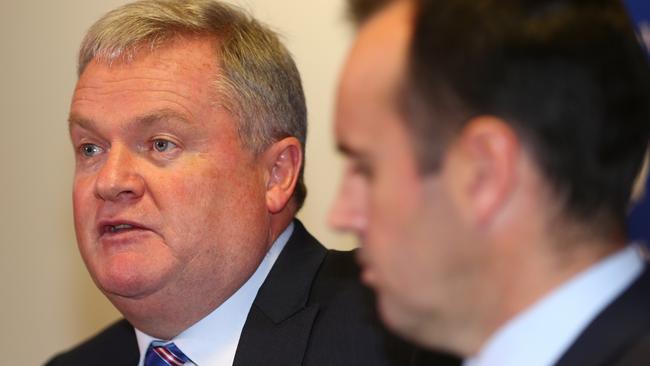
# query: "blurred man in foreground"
[[188, 123], [492, 147]]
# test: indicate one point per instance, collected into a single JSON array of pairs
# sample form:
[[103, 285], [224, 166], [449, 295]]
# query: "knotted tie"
[[161, 354]]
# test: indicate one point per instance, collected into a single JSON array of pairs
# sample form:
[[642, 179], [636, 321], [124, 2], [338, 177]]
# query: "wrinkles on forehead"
[[173, 77], [154, 118]]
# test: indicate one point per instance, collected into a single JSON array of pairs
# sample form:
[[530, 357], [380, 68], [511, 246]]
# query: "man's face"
[[405, 220], [169, 208]]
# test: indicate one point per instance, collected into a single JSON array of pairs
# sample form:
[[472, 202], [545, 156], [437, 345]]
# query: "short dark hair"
[[569, 76], [361, 10]]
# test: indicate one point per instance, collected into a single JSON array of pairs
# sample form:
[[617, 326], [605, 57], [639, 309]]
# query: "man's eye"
[[90, 150], [161, 145]]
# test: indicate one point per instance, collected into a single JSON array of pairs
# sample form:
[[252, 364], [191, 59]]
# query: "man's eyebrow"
[[150, 118], [161, 115], [75, 119]]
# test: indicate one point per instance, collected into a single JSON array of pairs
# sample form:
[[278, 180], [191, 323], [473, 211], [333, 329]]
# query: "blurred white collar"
[[540, 335]]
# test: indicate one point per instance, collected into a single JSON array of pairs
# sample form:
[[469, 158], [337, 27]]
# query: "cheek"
[[182, 200], [84, 211], [401, 236], [392, 207], [208, 201], [80, 188], [83, 202], [388, 225]]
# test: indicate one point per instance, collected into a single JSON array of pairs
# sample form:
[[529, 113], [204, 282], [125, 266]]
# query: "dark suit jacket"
[[311, 311], [620, 335]]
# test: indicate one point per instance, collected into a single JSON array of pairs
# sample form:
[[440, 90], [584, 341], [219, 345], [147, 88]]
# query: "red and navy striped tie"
[[161, 354]]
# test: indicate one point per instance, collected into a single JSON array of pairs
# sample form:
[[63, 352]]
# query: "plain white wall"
[[48, 300]]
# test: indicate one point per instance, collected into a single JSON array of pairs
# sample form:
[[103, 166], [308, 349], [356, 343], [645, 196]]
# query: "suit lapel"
[[130, 355], [276, 332], [118, 345], [621, 323]]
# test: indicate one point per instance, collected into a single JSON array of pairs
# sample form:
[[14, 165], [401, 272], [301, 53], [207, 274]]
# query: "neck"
[[524, 276], [279, 222]]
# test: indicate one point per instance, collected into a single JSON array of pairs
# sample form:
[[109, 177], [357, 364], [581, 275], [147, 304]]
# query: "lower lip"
[[124, 237]]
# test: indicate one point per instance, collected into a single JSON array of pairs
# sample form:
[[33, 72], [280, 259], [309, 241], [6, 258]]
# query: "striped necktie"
[[165, 354]]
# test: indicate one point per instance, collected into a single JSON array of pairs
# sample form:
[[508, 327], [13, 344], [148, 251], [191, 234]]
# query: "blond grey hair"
[[258, 79]]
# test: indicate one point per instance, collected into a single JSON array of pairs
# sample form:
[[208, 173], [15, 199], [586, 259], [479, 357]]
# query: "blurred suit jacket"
[[620, 334]]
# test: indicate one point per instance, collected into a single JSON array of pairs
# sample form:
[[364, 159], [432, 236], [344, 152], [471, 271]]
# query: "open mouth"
[[118, 228], [113, 229]]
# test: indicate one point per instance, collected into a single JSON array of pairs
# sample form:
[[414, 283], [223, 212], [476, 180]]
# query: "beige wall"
[[48, 300]]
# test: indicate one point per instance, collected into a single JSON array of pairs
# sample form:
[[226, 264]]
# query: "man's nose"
[[349, 209], [119, 178]]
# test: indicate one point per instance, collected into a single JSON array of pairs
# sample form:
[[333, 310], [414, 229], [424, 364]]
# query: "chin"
[[400, 319], [391, 314], [122, 286], [125, 278]]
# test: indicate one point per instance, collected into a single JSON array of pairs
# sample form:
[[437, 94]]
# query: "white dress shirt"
[[540, 335], [213, 340]]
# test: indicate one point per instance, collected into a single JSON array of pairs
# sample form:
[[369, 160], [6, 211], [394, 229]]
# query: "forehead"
[[375, 67], [181, 53], [379, 53], [180, 72]]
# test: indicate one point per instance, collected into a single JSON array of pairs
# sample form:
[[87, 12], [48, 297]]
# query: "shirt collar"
[[542, 334], [213, 340]]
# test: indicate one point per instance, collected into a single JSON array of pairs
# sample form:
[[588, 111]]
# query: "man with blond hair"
[[188, 123]]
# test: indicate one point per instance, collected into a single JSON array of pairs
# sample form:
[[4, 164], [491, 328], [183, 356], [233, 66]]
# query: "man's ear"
[[484, 168], [283, 161]]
